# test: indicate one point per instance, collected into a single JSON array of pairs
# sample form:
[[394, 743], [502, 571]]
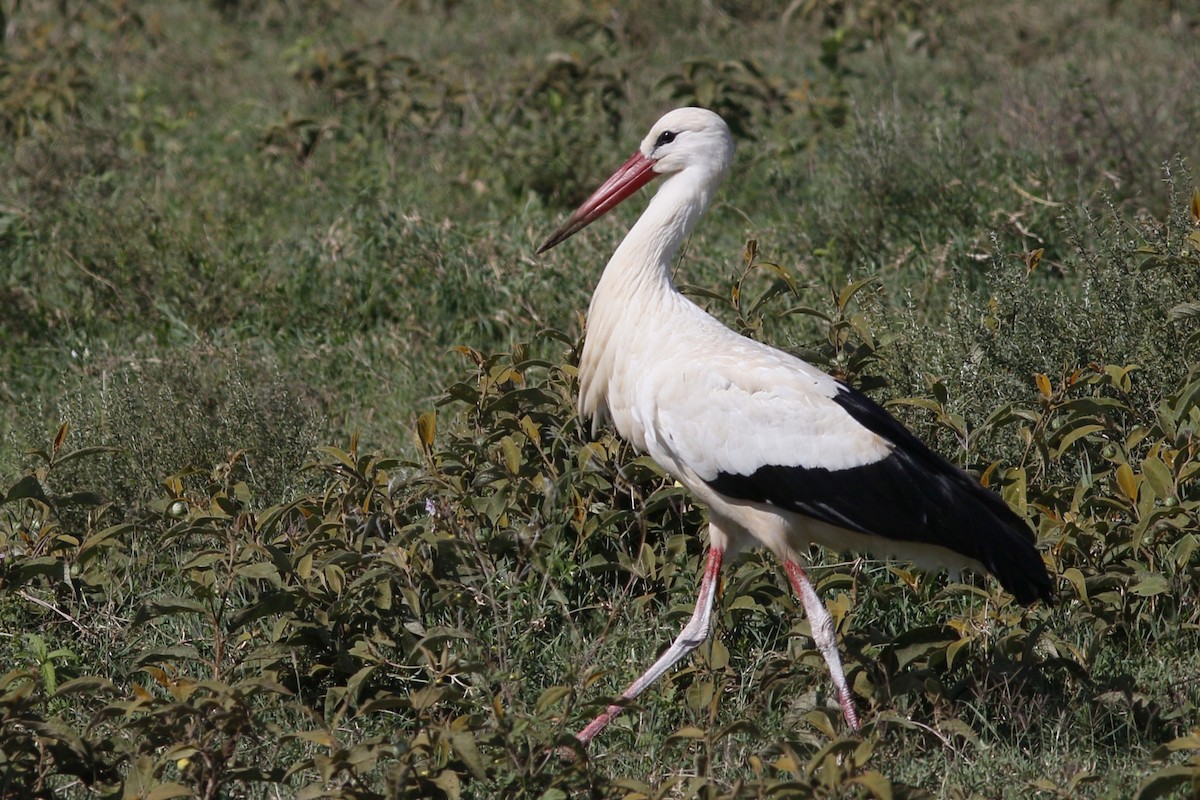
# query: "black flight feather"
[[912, 495]]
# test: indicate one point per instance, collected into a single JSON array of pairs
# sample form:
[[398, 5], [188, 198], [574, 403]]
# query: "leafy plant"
[[186, 424], [235, 234], [398, 93], [44, 55], [40, 83], [557, 109]]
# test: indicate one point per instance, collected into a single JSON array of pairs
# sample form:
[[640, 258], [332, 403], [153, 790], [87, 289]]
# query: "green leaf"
[[1127, 482], [875, 783], [851, 289], [953, 650], [1160, 477], [1183, 311], [1189, 742], [745, 601], [782, 273], [550, 697], [719, 659], [690, 732], [269, 603], [808, 311], [701, 291], [1015, 490], [427, 428], [916, 402], [89, 685], [449, 782], [321, 738], [1151, 585], [354, 685], [60, 437], [261, 570], [464, 745], [167, 655], [427, 697], [1181, 553], [335, 577], [700, 694], [84, 452], [341, 456], [1076, 579], [1165, 781], [103, 537], [592, 451], [167, 606], [1072, 436], [512, 455], [79, 499], [29, 487], [203, 559], [43, 565]]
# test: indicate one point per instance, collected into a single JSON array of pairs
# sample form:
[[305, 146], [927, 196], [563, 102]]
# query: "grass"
[[293, 497]]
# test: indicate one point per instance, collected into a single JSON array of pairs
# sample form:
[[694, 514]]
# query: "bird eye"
[[666, 137]]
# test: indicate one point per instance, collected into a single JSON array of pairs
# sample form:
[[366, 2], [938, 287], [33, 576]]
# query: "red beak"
[[632, 175]]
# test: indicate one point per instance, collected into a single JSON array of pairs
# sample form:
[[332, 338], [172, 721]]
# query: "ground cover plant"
[[294, 500]]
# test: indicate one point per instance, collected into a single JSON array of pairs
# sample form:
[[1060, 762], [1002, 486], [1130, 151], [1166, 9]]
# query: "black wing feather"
[[912, 495]]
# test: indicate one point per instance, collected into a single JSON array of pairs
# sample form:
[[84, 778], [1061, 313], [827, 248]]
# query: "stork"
[[782, 454]]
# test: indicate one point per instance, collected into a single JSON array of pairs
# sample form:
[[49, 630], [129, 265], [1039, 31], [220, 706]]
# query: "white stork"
[[782, 454]]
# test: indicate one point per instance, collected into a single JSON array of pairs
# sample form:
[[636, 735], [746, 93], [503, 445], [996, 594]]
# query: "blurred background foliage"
[[293, 496]]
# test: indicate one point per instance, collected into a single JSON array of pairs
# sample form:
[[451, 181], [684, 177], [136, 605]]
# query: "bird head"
[[686, 138], [692, 140]]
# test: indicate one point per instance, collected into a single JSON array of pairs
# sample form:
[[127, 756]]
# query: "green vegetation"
[[293, 496]]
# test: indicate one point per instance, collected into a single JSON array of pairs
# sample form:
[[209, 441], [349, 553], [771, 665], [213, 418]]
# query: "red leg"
[[823, 635], [695, 632]]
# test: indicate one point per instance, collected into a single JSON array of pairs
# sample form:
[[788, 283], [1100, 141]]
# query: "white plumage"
[[782, 454]]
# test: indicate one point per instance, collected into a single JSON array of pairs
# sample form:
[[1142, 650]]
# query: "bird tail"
[[1005, 546]]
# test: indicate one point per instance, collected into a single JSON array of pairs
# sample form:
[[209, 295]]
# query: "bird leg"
[[823, 635], [692, 635]]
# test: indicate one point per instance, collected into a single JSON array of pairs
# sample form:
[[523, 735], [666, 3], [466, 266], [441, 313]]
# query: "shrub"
[[208, 417]]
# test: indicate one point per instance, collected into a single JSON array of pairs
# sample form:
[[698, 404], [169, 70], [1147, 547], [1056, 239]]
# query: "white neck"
[[637, 282], [640, 269]]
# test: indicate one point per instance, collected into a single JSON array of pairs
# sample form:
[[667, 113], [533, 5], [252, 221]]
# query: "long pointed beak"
[[632, 175]]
